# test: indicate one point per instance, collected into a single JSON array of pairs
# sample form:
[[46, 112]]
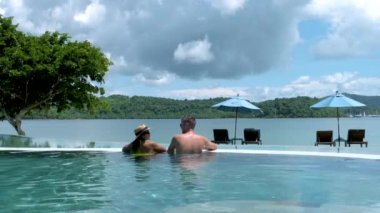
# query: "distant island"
[[142, 107]]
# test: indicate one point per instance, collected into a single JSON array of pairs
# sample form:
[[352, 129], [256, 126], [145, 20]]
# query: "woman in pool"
[[142, 145]]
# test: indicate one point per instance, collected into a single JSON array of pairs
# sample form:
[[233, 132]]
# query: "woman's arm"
[[158, 148]]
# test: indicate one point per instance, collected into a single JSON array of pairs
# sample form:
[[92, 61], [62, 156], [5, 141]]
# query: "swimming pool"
[[211, 182]]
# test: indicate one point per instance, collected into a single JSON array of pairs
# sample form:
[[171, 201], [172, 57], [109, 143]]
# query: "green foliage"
[[124, 107], [118, 106], [372, 102], [40, 72], [293, 108]]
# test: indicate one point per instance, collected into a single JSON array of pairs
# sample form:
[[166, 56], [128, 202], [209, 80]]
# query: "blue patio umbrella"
[[236, 104], [337, 101]]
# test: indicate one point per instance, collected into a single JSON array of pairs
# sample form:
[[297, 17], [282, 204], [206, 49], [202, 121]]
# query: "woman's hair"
[[136, 143]]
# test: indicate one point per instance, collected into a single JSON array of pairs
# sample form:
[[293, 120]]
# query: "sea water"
[[116, 133]]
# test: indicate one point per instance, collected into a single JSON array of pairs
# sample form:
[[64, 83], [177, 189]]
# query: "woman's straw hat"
[[141, 129]]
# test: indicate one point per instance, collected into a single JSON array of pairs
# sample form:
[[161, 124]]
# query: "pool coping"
[[303, 153], [231, 151]]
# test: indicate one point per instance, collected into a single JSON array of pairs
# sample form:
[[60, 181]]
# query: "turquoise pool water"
[[211, 182]]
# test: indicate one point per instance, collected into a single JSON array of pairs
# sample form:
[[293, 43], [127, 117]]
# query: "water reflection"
[[142, 167], [20, 141], [51, 182], [189, 166]]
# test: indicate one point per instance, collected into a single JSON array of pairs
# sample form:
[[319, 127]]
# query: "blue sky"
[[219, 48]]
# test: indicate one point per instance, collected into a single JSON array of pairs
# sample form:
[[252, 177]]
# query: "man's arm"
[[210, 146], [172, 146]]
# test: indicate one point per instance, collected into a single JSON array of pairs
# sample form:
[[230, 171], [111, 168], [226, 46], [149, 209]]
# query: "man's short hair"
[[189, 119]]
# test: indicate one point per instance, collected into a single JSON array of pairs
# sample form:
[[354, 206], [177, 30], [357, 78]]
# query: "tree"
[[39, 72]]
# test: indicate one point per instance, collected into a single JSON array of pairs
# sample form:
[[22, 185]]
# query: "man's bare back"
[[189, 142]]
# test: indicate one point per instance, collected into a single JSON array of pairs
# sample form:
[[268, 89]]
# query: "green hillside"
[[125, 107], [370, 101]]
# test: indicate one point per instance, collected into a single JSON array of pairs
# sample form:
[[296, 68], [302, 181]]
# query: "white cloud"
[[2, 10], [119, 63], [204, 93], [354, 27], [227, 6], [170, 35], [17, 9], [339, 78], [347, 82], [159, 79], [197, 52], [138, 14], [335, 9], [92, 15]]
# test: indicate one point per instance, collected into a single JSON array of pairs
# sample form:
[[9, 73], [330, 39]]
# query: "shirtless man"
[[189, 142]]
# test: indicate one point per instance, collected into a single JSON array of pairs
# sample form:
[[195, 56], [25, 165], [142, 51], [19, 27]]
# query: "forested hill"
[[118, 106], [370, 101]]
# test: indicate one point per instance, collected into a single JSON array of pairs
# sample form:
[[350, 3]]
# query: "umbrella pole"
[[235, 127], [337, 115]]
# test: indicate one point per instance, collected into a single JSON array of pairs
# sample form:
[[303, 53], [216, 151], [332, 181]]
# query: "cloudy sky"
[[259, 49]]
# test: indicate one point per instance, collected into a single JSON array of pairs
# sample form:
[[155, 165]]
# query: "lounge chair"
[[251, 136], [324, 138], [356, 136], [221, 136]]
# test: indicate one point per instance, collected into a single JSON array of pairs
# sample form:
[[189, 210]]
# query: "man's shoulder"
[[181, 138], [178, 136], [199, 137]]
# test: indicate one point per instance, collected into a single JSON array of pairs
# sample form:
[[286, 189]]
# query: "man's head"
[[187, 123]]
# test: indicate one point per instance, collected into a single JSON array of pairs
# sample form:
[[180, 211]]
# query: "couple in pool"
[[186, 143]]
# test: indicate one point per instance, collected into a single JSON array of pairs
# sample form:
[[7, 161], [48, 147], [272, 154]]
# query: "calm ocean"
[[115, 133]]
